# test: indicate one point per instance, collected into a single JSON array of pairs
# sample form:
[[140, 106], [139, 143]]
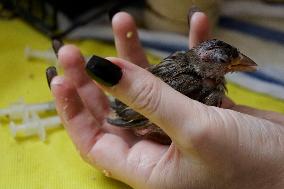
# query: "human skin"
[[230, 147]]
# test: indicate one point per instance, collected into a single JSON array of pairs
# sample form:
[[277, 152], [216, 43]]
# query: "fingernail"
[[56, 45], [191, 12], [50, 72], [112, 12], [103, 71]]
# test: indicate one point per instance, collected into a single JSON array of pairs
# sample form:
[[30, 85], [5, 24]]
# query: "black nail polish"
[[56, 45], [103, 71], [191, 11], [50, 72]]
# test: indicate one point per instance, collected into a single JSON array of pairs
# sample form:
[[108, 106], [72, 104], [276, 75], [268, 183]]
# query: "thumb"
[[177, 115]]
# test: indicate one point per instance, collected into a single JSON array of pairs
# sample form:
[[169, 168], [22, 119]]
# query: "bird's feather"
[[197, 73]]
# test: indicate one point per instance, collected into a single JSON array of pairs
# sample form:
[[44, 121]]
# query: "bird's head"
[[219, 58]]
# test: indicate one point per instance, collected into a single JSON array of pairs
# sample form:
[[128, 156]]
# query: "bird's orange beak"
[[242, 63]]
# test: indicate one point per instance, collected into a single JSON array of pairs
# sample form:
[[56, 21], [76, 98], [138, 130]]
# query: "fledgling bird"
[[197, 73]]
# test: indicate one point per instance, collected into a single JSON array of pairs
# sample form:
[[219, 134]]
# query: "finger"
[[126, 39], [79, 123], [268, 115], [199, 29], [151, 97], [227, 103], [94, 99], [275, 117], [103, 150]]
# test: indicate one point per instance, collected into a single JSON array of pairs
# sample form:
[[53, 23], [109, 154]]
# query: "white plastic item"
[[21, 110], [40, 55], [35, 126], [47, 55]]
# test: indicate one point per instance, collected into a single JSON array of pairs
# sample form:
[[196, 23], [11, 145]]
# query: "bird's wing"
[[169, 66], [179, 71], [125, 116]]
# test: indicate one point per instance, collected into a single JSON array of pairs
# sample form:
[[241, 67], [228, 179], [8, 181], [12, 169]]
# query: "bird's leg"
[[214, 98], [118, 122], [152, 132]]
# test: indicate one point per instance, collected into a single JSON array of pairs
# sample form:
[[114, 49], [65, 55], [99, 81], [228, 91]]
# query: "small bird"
[[197, 73]]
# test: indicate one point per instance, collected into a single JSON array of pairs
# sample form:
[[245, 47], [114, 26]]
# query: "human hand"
[[212, 147]]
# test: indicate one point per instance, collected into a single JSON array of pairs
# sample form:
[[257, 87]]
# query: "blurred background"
[[256, 27]]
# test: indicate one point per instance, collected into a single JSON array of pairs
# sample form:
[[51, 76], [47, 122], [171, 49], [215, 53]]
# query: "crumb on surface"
[[65, 107], [106, 173], [129, 34]]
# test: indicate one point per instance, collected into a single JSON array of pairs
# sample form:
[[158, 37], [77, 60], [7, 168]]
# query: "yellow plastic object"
[[261, 101], [28, 163]]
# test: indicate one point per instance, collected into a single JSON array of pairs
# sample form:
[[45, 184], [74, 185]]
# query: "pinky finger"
[[199, 28]]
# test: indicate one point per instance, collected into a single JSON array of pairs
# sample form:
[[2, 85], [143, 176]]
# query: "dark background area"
[[43, 14]]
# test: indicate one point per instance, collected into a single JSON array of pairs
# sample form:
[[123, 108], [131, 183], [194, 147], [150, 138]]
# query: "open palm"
[[212, 147]]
